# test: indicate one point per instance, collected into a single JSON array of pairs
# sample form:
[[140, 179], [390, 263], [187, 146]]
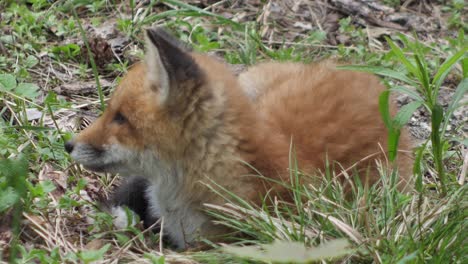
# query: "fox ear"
[[169, 65]]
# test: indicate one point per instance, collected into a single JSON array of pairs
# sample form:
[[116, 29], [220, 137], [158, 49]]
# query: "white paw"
[[123, 217]]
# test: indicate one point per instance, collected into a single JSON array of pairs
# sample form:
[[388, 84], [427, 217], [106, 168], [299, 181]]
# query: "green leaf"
[[379, 71], [411, 258], [417, 167], [8, 198], [31, 61], [445, 68], [405, 113], [437, 117], [424, 75], [47, 186], [122, 238], [437, 141], [464, 64], [33, 128], [393, 139], [461, 90], [401, 56], [464, 142], [94, 255], [411, 93], [292, 252], [15, 171], [8, 39], [384, 108], [154, 259], [27, 90], [7, 82]]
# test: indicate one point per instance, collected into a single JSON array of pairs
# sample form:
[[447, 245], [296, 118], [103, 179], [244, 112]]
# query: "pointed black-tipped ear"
[[168, 62]]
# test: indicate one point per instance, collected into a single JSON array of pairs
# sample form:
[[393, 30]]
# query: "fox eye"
[[119, 118]]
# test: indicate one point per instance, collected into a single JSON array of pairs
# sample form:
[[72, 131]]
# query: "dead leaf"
[[101, 51], [94, 244], [33, 114], [65, 119], [59, 178]]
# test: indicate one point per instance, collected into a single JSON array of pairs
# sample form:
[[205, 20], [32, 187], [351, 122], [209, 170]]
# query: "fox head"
[[161, 107]]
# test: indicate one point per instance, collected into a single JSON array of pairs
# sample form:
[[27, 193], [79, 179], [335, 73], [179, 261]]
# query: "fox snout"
[[69, 145], [88, 155], [112, 157]]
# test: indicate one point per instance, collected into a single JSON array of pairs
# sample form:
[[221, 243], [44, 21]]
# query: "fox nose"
[[69, 145]]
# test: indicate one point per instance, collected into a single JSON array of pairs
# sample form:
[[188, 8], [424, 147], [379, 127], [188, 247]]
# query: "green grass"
[[46, 201]]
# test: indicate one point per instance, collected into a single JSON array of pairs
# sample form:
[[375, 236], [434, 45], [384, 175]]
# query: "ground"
[[60, 60]]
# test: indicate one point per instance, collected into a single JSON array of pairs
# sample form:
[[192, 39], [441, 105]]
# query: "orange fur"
[[214, 122]]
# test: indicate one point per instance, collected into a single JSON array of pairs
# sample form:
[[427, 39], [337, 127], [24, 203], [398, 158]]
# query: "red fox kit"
[[181, 119]]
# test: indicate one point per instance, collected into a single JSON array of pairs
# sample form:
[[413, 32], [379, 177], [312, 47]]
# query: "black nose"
[[69, 146]]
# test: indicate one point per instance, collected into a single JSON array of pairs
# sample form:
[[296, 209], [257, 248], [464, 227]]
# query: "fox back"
[[183, 120]]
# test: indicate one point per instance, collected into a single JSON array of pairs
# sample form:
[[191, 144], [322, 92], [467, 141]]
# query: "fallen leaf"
[[295, 252]]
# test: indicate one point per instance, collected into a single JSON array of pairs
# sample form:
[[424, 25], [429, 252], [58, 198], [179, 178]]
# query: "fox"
[[181, 120]]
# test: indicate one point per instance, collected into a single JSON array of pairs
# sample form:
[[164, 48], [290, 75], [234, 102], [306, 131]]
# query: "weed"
[[427, 92]]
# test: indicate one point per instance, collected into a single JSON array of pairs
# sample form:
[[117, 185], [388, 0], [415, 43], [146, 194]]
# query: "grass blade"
[[91, 60], [424, 78], [417, 170], [401, 56], [379, 71], [447, 66], [393, 139], [413, 94], [464, 64], [437, 148], [384, 108], [462, 89]]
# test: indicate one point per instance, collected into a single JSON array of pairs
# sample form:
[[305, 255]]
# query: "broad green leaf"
[[384, 108], [405, 113], [47, 186], [15, 172], [7, 82], [27, 90], [8, 198], [8, 39], [31, 61], [445, 68], [94, 255], [292, 252], [154, 259], [464, 142], [380, 71]]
